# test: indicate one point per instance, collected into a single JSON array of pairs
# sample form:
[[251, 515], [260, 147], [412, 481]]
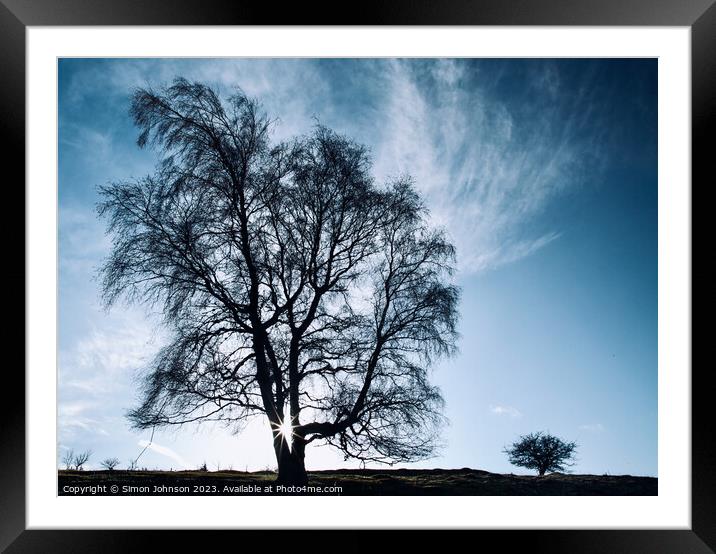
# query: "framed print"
[[279, 266]]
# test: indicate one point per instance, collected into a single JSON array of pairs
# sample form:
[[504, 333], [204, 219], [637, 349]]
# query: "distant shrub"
[[109, 463], [81, 459], [541, 451], [68, 459]]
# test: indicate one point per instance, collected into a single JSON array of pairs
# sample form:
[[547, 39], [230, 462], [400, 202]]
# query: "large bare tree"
[[292, 284]]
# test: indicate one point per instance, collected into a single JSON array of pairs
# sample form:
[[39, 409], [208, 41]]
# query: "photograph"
[[334, 276]]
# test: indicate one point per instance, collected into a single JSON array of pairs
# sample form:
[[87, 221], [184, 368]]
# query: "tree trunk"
[[291, 466]]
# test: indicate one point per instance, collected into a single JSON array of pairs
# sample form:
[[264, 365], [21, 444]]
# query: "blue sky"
[[543, 172]]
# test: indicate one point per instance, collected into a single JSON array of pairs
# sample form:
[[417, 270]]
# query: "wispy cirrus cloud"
[[505, 411], [120, 347], [74, 416], [488, 167], [487, 171], [593, 427], [165, 451], [96, 373]]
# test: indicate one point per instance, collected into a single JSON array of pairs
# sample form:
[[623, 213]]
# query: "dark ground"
[[464, 482]]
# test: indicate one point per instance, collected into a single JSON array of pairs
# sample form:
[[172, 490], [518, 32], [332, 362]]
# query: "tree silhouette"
[[541, 451], [109, 463], [68, 459], [81, 459], [293, 285]]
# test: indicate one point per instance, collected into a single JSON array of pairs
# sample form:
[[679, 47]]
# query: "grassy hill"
[[352, 482]]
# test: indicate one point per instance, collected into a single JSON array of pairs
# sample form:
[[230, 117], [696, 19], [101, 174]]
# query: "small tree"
[[81, 459], [68, 459], [109, 463], [132, 465], [541, 451]]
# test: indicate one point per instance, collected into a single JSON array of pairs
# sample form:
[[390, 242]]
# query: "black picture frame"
[[16, 15]]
